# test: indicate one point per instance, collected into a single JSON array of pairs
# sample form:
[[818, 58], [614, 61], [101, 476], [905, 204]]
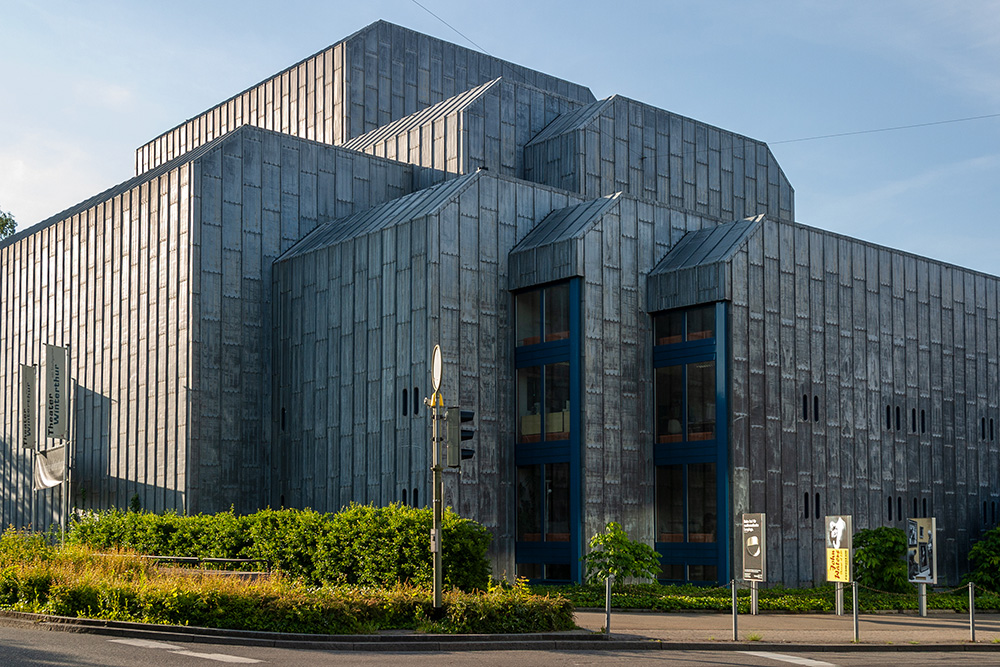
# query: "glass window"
[[703, 573], [701, 323], [528, 318], [670, 504], [701, 400], [668, 328], [557, 571], [529, 404], [557, 421], [669, 414], [702, 509], [529, 570], [672, 571], [529, 506], [557, 502], [557, 312]]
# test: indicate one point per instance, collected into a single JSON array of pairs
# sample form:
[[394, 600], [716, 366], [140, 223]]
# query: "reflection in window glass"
[[668, 328], [701, 323], [701, 400], [672, 571], [669, 504], [529, 570], [669, 391], [557, 502], [702, 510], [557, 312], [557, 422], [529, 506], [528, 318], [529, 404]]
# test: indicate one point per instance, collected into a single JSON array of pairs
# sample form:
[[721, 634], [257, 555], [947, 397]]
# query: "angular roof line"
[[574, 120], [422, 117], [707, 246], [566, 223], [408, 207]]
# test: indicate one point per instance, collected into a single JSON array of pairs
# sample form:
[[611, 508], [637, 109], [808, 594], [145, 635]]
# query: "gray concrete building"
[[622, 295]]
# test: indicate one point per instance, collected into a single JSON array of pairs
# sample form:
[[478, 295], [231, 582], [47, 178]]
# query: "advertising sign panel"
[[754, 548], [29, 407], [839, 543], [50, 467], [56, 393], [921, 556]]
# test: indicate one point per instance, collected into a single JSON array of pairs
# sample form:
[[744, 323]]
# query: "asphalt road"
[[44, 648]]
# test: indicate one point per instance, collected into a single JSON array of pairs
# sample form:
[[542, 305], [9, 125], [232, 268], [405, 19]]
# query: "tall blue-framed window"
[[691, 443], [547, 431]]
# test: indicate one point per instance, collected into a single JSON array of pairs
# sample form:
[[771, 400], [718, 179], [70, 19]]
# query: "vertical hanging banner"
[[839, 543], [29, 407], [921, 557], [56, 392], [754, 548], [50, 467]]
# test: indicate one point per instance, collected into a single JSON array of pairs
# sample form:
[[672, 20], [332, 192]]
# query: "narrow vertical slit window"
[[899, 508], [915, 515], [816, 507], [913, 420], [416, 502], [805, 504], [404, 496], [923, 421], [897, 418], [890, 508], [888, 417], [982, 429], [924, 502], [416, 401]]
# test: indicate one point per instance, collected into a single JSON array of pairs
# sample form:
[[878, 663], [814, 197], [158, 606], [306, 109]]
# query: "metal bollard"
[[854, 594], [754, 608], [607, 606], [922, 599], [972, 612], [735, 633]]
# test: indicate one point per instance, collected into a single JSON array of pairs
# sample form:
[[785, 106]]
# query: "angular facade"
[[622, 295]]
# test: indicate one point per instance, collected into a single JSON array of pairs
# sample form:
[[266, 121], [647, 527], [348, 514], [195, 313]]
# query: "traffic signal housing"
[[457, 434]]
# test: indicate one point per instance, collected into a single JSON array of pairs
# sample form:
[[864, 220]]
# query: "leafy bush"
[[615, 554], [880, 559], [984, 557], [78, 582], [361, 544]]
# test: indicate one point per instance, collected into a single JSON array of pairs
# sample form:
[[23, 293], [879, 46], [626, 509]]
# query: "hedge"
[[360, 545]]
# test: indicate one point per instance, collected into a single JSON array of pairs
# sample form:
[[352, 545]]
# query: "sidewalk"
[[909, 629]]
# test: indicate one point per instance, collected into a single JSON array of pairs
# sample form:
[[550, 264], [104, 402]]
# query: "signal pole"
[[437, 480]]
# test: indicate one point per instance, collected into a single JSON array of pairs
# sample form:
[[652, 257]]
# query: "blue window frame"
[[547, 432], [691, 443]]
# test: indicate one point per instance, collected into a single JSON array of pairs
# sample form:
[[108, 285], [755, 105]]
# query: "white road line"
[[147, 643], [220, 657], [790, 658]]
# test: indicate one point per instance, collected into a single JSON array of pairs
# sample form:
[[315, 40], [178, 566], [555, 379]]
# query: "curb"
[[574, 640]]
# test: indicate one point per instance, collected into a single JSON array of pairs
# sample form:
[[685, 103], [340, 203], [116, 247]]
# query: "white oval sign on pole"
[[436, 367]]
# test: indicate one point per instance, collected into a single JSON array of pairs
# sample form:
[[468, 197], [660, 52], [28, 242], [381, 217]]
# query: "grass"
[[754, 637], [77, 581]]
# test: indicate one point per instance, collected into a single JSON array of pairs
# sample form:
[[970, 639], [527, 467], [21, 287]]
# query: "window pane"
[[703, 572], [669, 504], [529, 505], [669, 389], [529, 404], [529, 570], [701, 503], [701, 400], [557, 312], [528, 318], [557, 502], [557, 423], [672, 571], [557, 571], [668, 328], [701, 323]]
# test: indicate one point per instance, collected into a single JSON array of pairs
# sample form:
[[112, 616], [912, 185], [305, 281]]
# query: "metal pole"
[[735, 633], [607, 605], [854, 595], [754, 609], [839, 600], [437, 491], [972, 612], [922, 598]]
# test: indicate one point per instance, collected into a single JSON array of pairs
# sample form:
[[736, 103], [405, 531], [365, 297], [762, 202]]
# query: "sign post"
[[921, 556], [839, 549], [754, 555], [437, 483]]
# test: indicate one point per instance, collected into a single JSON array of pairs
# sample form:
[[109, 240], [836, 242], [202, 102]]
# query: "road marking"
[[147, 643], [790, 658], [220, 657], [177, 650]]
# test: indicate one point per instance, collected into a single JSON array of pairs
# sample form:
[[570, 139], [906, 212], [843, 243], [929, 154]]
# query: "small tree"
[[880, 559], [7, 225], [612, 552], [984, 557]]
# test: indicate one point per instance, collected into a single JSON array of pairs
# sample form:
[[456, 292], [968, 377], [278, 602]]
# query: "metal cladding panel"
[[378, 75]]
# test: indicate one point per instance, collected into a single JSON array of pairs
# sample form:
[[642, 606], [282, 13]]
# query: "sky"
[[83, 83]]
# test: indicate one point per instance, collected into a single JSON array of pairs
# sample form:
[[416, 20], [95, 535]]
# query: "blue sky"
[[86, 82]]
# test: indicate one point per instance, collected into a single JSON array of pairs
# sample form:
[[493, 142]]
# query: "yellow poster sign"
[[838, 565]]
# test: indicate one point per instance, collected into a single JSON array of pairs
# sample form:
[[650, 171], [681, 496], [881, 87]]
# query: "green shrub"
[[984, 559], [361, 544], [615, 554], [880, 559]]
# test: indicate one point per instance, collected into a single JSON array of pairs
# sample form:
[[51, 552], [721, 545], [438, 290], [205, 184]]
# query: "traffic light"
[[457, 434]]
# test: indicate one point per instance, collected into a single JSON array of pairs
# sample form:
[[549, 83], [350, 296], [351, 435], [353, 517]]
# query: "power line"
[[463, 35], [885, 129]]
